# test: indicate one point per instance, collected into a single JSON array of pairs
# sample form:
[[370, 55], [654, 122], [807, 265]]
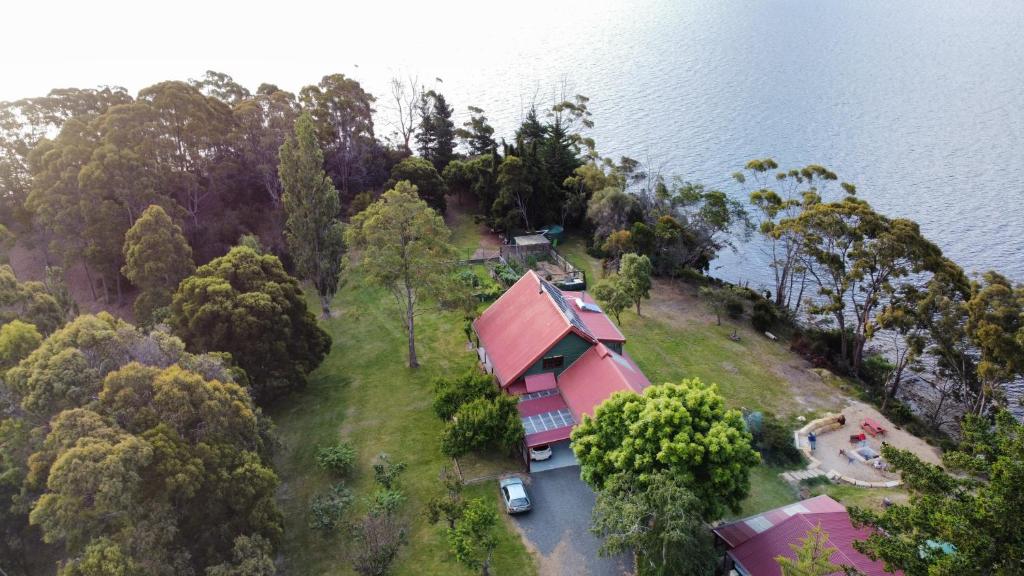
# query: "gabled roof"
[[598, 374], [755, 542], [526, 321], [597, 322]]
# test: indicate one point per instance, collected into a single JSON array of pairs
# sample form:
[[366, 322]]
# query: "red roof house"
[[558, 352], [752, 544]]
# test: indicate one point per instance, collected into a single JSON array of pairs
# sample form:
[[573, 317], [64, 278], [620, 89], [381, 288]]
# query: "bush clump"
[[338, 459], [774, 440], [327, 509], [484, 424], [452, 392], [764, 316]]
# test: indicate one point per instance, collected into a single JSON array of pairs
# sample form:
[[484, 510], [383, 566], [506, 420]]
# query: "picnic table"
[[872, 427]]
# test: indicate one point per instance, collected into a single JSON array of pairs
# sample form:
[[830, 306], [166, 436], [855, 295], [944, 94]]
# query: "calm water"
[[919, 103]]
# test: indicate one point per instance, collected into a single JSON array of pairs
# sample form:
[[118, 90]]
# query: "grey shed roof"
[[531, 240]]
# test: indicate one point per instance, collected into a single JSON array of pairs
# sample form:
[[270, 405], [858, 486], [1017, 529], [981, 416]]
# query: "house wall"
[[613, 346], [572, 347]]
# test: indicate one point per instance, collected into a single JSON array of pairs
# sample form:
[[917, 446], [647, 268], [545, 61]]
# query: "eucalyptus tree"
[[157, 257], [476, 133], [995, 325], [404, 247]]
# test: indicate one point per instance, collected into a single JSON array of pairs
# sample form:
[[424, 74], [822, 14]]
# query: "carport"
[[561, 457]]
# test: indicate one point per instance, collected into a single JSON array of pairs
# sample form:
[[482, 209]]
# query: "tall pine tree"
[[312, 230], [436, 137]]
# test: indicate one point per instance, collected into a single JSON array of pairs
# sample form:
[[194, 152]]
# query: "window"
[[552, 362]]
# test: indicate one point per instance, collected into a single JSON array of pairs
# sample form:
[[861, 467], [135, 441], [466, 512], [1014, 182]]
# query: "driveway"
[[558, 527]]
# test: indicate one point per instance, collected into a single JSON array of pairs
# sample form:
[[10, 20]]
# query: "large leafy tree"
[[34, 302], [421, 174], [313, 232], [245, 304], [659, 520], [962, 523], [404, 247], [995, 325], [635, 277], [476, 133], [156, 258], [474, 537], [122, 445], [436, 136], [858, 259], [343, 114], [682, 429]]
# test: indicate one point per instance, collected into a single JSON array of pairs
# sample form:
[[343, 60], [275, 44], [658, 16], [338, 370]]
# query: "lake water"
[[919, 103]]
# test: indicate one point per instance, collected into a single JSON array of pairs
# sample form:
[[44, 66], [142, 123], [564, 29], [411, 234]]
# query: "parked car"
[[513, 494], [540, 452]]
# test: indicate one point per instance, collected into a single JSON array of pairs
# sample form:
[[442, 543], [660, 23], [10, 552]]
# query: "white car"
[[513, 494], [540, 452]]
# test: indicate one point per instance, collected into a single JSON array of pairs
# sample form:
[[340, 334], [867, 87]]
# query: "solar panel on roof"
[[566, 308], [547, 421]]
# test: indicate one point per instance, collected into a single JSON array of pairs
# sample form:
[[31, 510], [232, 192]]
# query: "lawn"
[[364, 393]]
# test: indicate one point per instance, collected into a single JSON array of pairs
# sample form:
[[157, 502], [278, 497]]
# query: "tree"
[[31, 302], [156, 258], [719, 299], [483, 424], [17, 340], [343, 114], [683, 429], [858, 259], [436, 136], [314, 234], [995, 324], [406, 97], [635, 276], [794, 190], [961, 521], [473, 539], [422, 174], [611, 209], [659, 520], [476, 133], [250, 556], [449, 505], [450, 393], [612, 296], [813, 556], [245, 304], [512, 206], [404, 248], [376, 539]]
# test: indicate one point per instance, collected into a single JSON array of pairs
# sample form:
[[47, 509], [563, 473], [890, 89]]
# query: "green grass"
[[850, 495], [465, 232], [767, 491], [364, 393], [574, 249]]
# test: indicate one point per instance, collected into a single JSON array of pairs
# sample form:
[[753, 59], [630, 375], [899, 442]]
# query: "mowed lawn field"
[[365, 394]]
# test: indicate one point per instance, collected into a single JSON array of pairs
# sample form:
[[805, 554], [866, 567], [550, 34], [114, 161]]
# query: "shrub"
[[386, 472], [774, 440], [337, 459], [899, 413], [484, 424], [733, 304], [875, 371], [327, 510], [764, 316], [451, 393]]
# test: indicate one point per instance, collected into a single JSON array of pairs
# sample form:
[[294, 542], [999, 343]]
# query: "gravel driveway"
[[558, 527]]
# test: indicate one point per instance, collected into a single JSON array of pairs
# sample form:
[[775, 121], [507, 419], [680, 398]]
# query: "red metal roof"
[[597, 322], [738, 532], [520, 326], [539, 382], [597, 375], [540, 405], [765, 536], [548, 436]]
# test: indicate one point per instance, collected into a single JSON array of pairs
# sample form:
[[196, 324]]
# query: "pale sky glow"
[[291, 44]]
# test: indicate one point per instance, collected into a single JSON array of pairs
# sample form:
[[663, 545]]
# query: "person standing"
[[813, 440]]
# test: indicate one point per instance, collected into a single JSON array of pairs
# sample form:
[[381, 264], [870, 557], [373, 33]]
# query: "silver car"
[[513, 494]]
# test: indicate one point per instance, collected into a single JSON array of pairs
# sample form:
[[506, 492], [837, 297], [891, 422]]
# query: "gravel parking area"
[[557, 530]]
